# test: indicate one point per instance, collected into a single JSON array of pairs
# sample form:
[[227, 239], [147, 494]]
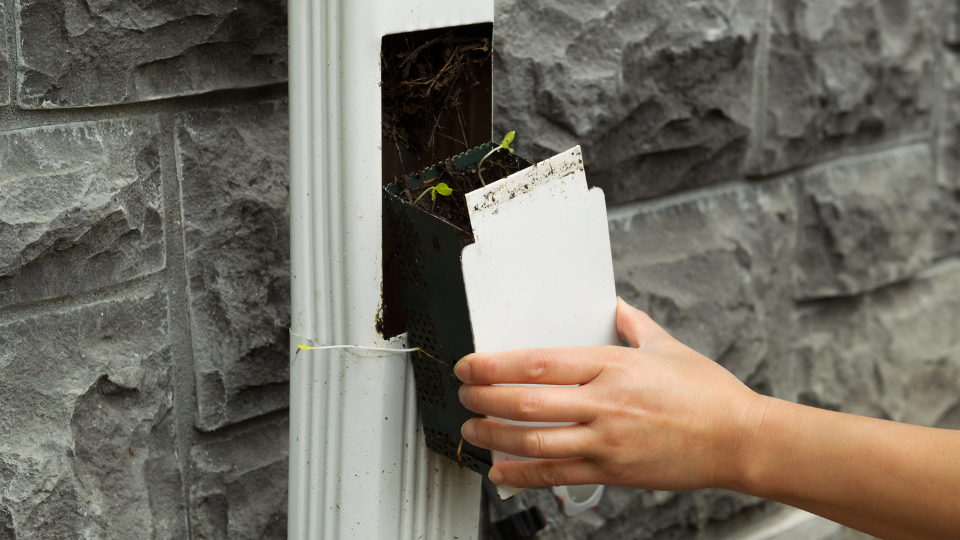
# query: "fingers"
[[635, 326], [547, 472], [560, 365], [541, 404], [526, 441]]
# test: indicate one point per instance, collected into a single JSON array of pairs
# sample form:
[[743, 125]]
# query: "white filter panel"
[[540, 273]]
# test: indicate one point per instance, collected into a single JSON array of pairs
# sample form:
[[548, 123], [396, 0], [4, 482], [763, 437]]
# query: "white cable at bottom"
[[359, 350]]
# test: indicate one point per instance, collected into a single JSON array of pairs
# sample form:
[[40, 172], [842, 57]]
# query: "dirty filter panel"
[[428, 251]]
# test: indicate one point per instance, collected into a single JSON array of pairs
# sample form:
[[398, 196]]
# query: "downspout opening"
[[430, 111]]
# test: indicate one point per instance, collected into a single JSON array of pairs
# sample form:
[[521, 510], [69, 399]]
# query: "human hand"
[[655, 416]]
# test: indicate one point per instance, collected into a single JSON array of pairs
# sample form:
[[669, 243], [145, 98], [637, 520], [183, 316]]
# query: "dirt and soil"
[[453, 208], [431, 85]]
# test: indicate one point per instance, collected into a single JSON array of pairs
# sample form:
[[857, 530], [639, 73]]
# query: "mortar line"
[[760, 94], [11, 31], [140, 286], [623, 211], [939, 100], [179, 291], [14, 83], [240, 427], [14, 118], [943, 265]]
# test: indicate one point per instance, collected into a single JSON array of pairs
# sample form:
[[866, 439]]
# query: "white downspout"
[[358, 464]]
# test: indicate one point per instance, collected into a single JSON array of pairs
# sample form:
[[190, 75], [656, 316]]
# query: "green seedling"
[[504, 144], [440, 188]]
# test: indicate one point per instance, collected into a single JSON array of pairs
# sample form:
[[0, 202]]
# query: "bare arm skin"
[[661, 416]]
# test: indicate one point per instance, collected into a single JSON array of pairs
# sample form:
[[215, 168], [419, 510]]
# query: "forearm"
[[887, 479], [660, 416]]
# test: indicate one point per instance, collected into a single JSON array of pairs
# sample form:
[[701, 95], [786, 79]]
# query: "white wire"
[[361, 347], [349, 347], [353, 348]]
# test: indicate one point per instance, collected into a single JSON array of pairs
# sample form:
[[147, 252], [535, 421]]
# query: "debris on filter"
[[423, 90], [453, 208], [423, 84]]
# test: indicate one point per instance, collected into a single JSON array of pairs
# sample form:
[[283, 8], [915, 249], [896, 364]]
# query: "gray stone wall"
[[144, 270], [783, 182], [783, 185]]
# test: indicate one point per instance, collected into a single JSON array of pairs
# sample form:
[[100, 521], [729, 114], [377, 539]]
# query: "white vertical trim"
[[358, 464]]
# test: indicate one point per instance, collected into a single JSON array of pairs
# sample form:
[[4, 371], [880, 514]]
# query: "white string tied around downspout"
[[358, 350]]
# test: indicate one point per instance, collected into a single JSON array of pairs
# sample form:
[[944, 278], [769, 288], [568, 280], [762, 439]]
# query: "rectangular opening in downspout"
[[436, 102]]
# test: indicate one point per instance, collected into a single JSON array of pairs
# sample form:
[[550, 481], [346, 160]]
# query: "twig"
[[460, 119], [413, 54], [428, 355]]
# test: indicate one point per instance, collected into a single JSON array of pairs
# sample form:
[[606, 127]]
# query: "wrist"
[[746, 455]]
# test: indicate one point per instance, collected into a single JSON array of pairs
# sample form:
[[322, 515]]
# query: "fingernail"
[[462, 394], [495, 476], [469, 431], [462, 370]]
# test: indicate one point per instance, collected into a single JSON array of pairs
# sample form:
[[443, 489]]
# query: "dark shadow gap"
[[436, 102]]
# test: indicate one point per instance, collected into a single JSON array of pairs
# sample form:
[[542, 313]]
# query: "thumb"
[[635, 326]]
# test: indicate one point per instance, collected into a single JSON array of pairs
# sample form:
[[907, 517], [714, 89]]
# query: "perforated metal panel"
[[435, 308], [426, 368]]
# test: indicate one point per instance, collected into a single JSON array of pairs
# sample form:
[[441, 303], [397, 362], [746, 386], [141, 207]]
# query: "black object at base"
[[519, 526], [427, 250]]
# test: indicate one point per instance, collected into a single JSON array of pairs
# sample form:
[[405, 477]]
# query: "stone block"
[[893, 353], [658, 93], [4, 63], [946, 206], [952, 35], [86, 411], [83, 53], [950, 115], [947, 203], [713, 269], [80, 208], [633, 513], [844, 73], [864, 223], [793, 524], [234, 176], [238, 489]]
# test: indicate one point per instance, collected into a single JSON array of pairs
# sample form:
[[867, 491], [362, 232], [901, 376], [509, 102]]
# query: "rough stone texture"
[[892, 354], [947, 203], [946, 213], [632, 513], [4, 63], [815, 285], [952, 36], [657, 92], [238, 487], [234, 175], [88, 434], [79, 53], [713, 270], [80, 208], [847, 72], [864, 223], [785, 525]]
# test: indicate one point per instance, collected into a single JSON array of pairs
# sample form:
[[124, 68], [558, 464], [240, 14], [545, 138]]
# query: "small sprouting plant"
[[504, 144], [440, 188]]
